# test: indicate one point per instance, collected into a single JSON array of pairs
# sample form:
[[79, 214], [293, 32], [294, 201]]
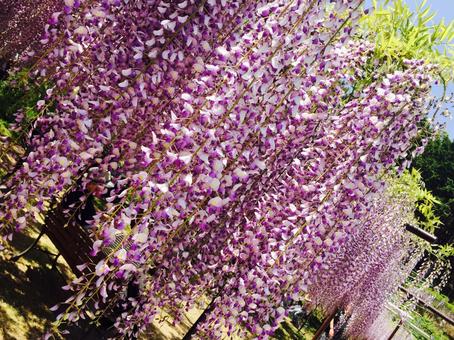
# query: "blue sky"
[[443, 9]]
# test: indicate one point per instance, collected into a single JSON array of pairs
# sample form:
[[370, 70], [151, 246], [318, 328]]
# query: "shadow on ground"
[[29, 287]]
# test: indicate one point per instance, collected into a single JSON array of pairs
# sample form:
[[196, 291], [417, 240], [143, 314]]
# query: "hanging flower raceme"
[[375, 259], [239, 144]]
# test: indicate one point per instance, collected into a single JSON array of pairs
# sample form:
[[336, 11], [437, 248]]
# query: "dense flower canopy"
[[241, 147]]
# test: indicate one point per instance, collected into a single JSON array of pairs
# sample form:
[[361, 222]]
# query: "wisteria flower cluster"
[[240, 146], [372, 264]]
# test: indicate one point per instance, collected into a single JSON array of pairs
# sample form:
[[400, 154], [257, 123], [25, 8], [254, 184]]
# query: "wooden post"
[[421, 233], [429, 306], [395, 330], [324, 324]]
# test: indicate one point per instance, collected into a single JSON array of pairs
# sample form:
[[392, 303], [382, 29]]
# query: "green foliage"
[[427, 323], [400, 34], [17, 93], [443, 252], [410, 183], [441, 298], [4, 131], [436, 166]]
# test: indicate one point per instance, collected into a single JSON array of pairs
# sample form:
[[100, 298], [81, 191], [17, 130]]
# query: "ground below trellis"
[[30, 286]]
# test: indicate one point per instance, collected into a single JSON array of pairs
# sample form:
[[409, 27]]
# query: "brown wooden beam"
[[421, 233], [429, 307], [324, 325], [395, 330]]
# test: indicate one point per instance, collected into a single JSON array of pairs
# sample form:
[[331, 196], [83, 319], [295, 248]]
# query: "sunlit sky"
[[443, 9]]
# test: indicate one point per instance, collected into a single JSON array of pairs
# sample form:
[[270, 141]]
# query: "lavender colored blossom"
[[242, 153]]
